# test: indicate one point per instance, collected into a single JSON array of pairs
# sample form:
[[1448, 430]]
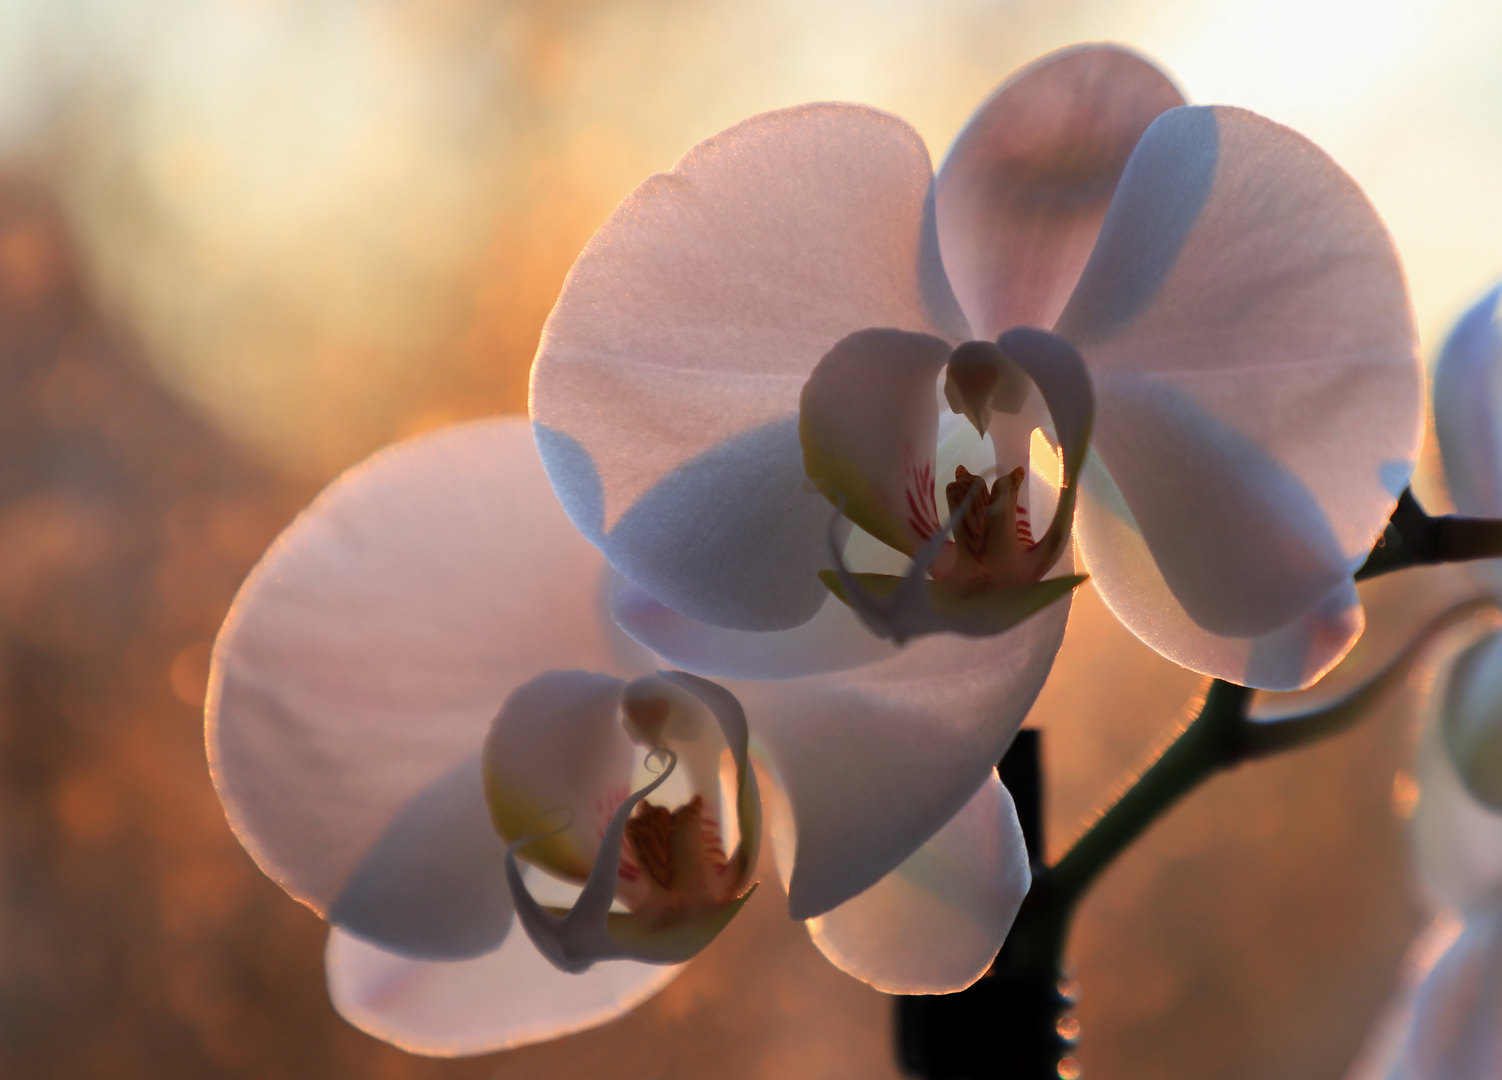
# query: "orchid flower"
[[1468, 424], [1446, 1021], [425, 726], [1468, 414], [802, 316]]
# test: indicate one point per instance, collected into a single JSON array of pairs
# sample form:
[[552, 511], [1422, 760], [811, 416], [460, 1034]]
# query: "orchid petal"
[[363, 662], [897, 608], [1450, 1025], [1288, 658], [1457, 841], [1468, 408], [558, 750], [1064, 383], [506, 998], [934, 924], [1259, 399], [869, 422], [1022, 192], [429, 883], [833, 640], [666, 387], [928, 723]]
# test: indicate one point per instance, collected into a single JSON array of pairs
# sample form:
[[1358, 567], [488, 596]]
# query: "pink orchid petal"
[[504, 999], [1468, 408], [833, 640], [361, 667], [666, 388], [1132, 585], [929, 723], [1022, 192], [934, 924], [1063, 382], [869, 422], [1383, 1052], [1259, 398], [558, 762]]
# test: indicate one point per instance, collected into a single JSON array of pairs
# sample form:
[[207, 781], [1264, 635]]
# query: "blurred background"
[[245, 242]]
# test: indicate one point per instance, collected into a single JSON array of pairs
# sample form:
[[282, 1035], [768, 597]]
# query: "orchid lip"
[[657, 882], [872, 450]]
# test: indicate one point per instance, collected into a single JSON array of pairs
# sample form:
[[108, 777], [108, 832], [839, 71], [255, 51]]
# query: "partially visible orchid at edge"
[[424, 719], [1445, 1023]]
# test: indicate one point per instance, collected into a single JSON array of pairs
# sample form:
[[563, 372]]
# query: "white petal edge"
[[1386, 1052], [934, 925], [1244, 285], [504, 999], [833, 640], [1468, 407], [1129, 582], [367, 654]]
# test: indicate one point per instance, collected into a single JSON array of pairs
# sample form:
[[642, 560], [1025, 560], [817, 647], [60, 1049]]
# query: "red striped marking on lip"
[[922, 518], [1024, 530], [714, 846]]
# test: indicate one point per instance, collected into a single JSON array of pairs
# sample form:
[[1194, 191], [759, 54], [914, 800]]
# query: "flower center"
[[991, 532], [674, 847]]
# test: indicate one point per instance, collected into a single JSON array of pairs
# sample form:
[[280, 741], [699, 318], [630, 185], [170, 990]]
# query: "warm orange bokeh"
[[249, 241]]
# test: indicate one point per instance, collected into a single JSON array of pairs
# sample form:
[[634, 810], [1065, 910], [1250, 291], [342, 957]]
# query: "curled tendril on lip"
[[575, 939], [907, 611]]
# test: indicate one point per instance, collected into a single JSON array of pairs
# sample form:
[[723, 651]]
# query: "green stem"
[[1210, 743], [1221, 736], [1416, 538], [1022, 991]]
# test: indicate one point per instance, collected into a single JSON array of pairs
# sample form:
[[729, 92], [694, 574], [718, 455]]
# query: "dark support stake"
[[1006, 1025]]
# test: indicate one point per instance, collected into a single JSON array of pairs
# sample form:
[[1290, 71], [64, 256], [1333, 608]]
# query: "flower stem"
[[1013, 1023], [1417, 538]]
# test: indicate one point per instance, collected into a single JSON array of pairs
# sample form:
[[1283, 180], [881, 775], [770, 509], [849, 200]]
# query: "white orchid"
[[1468, 414], [424, 687], [420, 684], [1227, 291], [1446, 1021]]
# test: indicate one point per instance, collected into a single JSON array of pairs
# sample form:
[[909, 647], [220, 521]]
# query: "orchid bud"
[[1471, 721]]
